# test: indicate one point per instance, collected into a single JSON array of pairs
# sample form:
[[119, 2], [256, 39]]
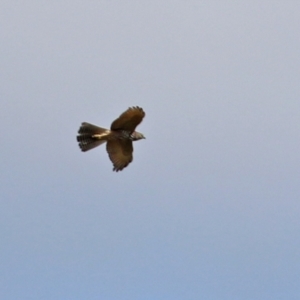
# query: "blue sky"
[[209, 208]]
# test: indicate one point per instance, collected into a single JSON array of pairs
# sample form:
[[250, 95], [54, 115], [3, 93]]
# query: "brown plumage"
[[119, 138]]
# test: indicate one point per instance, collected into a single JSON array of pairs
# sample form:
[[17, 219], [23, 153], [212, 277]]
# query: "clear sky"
[[209, 208]]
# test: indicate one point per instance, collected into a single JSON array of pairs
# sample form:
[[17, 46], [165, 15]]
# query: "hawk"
[[118, 139]]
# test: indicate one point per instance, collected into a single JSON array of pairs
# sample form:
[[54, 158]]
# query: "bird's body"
[[119, 137]]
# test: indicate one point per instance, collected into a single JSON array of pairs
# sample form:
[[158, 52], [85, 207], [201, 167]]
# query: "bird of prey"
[[118, 139]]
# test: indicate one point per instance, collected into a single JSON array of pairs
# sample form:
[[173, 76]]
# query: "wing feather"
[[129, 119], [120, 153]]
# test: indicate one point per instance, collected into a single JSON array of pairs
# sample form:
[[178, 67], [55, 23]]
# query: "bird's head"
[[135, 136]]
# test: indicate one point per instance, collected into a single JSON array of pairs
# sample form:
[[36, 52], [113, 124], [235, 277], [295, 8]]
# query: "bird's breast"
[[121, 135]]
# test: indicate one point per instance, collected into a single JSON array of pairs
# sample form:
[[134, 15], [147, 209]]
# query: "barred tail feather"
[[87, 128], [91, 136]]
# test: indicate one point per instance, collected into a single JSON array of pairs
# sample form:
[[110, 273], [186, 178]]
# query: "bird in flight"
[[118, 139]]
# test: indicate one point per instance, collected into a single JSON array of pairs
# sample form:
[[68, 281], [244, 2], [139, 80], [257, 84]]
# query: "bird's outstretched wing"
[[129, 119], [120, 153]]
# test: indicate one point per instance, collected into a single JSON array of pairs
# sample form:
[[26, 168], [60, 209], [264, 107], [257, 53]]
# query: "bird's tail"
[[91, 136]]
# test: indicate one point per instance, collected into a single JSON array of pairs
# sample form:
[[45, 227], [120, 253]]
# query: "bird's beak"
[[144, 137]]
